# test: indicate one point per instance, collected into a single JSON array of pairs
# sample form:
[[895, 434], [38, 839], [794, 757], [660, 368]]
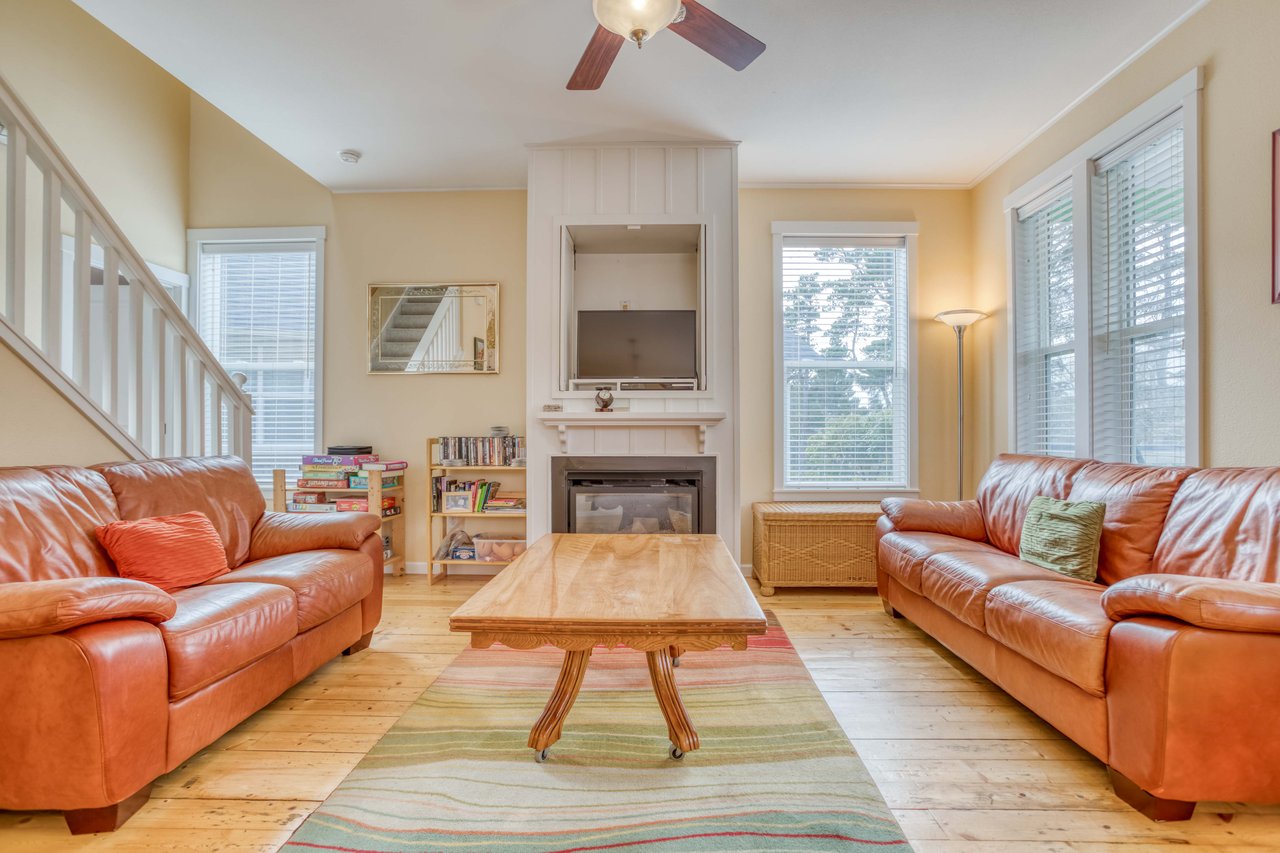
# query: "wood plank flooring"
[[964, 768]]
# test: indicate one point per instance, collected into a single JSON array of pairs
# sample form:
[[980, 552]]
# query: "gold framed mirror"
[[433, 328]]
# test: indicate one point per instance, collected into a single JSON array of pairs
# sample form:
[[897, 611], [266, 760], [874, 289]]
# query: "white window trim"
[[1077, 168], [910, 232], [197, 237]]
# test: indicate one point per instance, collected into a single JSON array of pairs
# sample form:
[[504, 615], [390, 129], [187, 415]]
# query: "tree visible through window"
[[844, 340]]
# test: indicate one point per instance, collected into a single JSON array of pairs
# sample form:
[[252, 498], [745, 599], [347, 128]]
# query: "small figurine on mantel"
[[604, 398]]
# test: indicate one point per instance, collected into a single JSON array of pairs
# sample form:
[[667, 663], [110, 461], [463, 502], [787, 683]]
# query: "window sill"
[[868, 495]]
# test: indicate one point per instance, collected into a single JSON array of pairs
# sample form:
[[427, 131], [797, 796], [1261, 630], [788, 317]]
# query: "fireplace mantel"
[[563, 421]]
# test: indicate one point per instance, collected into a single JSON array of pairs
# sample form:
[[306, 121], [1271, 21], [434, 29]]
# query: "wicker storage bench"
[[814, 544]]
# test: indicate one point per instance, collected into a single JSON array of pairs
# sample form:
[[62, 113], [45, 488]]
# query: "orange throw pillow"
[[172, 552]]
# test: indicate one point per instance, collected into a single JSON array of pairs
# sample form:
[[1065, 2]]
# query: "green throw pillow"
[[1063, 536]]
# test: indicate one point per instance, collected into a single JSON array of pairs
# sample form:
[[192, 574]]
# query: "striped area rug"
[[775, 771]]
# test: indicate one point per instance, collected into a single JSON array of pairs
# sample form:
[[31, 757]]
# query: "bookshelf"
[[392, 527], [490, 523]]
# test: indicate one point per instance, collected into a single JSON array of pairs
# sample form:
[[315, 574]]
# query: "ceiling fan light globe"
[[635, 20]]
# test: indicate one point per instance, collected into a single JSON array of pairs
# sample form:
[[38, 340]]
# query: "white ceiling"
[[445, 93]]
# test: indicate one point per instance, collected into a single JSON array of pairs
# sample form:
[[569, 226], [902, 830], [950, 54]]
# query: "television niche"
[[637, 345], [632, 308]]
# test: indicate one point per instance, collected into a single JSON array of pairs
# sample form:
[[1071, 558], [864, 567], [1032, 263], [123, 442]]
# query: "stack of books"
[[341, 472], [450, 495], [458, 450]]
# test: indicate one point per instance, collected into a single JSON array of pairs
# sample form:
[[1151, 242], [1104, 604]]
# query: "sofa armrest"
[[279, 533], [953, 518], [33, 608], [1217, 603]]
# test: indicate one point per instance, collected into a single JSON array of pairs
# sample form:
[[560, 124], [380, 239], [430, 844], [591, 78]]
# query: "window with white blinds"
[[846, 414], [1104, 305], [1139, 301], [257, 303], [1044, 328]]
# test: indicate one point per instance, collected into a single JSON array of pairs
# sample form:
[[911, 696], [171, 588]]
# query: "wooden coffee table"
[[662, 594]]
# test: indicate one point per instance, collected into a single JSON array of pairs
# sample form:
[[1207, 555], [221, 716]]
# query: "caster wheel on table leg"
[[676, 753], [540, 755]]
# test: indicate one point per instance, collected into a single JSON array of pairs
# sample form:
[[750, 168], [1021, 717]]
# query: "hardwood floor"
[[965, 768]]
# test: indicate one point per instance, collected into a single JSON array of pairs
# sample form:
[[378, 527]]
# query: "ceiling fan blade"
[[596, 60], [731, 45]]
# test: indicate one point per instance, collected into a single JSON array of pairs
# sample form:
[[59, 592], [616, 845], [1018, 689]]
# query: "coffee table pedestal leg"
[[679, 728], [547, 730]]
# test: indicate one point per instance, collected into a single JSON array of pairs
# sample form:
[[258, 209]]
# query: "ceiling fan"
[[640, 20]]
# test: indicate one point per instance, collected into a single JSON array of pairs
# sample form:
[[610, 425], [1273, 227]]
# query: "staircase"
[[83, 309], [422, 334]]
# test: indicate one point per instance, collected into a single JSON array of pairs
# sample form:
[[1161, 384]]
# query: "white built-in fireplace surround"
[[645, 183]]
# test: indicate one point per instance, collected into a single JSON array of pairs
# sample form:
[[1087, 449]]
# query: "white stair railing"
[[126, 357]]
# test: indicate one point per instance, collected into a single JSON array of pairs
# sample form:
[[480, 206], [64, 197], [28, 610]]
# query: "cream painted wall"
[[1234, 40], [123, 123], [422, 237], [943, 282], [237, 181], [121, 120]]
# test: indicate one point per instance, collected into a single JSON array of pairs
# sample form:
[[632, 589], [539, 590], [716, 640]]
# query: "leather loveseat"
[[1167, 669], [107, 683]]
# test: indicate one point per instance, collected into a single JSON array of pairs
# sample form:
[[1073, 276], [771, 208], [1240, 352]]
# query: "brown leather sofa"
[[1167, 669], [107, 683]]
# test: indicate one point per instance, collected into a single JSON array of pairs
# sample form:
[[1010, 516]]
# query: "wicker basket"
[[814, 544]]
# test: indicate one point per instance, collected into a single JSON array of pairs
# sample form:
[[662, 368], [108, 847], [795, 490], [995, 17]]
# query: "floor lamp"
[[959, 320]]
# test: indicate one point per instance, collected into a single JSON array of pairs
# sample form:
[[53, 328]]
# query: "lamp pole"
[[960, 330], [960, 320]]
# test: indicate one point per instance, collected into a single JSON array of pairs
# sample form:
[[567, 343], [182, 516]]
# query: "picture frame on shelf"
[[456, 502]]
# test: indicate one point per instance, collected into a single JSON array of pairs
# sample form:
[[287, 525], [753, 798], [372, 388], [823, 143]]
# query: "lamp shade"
[[960, 317], [637, 20]]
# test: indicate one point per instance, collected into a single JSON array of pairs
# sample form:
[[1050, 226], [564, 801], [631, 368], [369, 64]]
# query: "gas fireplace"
[[633, 494]]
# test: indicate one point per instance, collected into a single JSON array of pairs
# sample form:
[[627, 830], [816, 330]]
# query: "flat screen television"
[[637, 345]]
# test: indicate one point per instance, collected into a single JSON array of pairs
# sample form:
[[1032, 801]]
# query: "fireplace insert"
[[633, 494]]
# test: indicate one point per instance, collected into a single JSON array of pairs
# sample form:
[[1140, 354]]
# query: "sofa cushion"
[[1137, 499], [48, 516], [220, 629], [172, 551], [1060, 626], [325, 583], [1009, 485], [1222, 523], [222, 487], [1063, 536], [901, 554], [960, 582]]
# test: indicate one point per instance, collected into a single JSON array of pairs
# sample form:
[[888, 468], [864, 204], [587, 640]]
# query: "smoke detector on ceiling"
[[349, 155]]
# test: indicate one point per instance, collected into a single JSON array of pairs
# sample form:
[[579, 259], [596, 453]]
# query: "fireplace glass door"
[[637, 506]]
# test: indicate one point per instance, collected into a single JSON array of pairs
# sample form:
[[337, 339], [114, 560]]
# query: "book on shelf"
[[390, 512], [509, 503], [384, 466], [451, 495], [461, 450], [322, 483], [390, 479], [332, 470], [340, 459], [294, 506], [360, 504]]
